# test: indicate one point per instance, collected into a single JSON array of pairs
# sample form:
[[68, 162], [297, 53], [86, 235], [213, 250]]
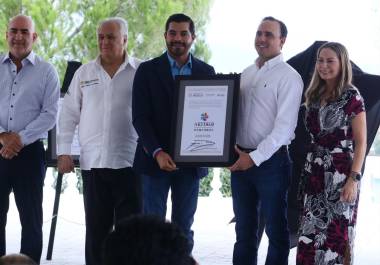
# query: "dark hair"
[[180, 18], [283, 29], [146, 240]]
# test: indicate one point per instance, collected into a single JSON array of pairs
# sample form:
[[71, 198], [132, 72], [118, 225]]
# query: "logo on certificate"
[[204, 116]]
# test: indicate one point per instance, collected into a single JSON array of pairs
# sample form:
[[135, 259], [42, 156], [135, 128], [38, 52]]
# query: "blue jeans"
[[184, 185], [263, 187]]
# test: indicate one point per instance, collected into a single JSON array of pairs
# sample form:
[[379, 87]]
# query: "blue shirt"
[[176, 70], [29, 98]]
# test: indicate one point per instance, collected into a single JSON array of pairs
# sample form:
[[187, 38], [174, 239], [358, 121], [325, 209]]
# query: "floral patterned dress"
[[328, 225]]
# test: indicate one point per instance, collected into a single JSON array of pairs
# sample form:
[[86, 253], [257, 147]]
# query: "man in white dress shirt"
[[99, 101], [270, 96]]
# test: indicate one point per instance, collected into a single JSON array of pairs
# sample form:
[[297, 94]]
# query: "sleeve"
[[142, 110], [48, 115], [69, 116], [288, 102], [355, 104]]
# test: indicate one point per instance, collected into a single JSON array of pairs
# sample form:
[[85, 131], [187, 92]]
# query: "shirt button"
[[11, 106], [15, 83], [10, 118], [13, 94]]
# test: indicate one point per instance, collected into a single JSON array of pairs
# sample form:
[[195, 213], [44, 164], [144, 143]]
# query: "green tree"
[[67, 28]]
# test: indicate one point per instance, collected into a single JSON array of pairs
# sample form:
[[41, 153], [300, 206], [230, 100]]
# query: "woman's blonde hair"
[[317, 85]]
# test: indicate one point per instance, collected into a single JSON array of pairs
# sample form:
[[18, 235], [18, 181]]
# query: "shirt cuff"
[[156, 152], [256, 157], [24, 140], [64, 149]]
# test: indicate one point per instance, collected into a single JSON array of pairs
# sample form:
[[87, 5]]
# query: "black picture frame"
[[228, 155]]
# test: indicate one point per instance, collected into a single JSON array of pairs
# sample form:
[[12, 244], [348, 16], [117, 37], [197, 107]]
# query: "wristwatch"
[[356, 176]]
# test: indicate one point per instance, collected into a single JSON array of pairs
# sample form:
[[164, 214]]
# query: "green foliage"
[[205, 184], [67, 28], [64, 181], [225, 178], [78, 173]]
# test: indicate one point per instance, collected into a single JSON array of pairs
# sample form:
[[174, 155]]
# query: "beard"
[[177, 48]]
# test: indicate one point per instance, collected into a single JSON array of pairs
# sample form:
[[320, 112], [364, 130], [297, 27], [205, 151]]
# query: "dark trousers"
[[263, 187], [110, 195], [24, 174], [184, 187]]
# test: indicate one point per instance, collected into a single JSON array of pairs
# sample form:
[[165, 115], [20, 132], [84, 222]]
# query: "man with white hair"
[[99, 101], [29, 93]]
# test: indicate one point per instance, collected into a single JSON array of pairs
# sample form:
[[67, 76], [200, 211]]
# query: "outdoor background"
[[225, 38]]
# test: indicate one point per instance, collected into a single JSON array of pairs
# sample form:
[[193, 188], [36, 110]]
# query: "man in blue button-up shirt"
[[29, 93]]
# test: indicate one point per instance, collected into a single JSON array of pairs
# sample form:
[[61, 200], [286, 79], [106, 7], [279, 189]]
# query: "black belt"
[[282, 149]]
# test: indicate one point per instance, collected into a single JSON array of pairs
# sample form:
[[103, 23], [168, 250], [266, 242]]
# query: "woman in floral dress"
[[335, 119]]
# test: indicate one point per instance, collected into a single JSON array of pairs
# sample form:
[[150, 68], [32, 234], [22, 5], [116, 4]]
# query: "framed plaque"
[[204, 120]]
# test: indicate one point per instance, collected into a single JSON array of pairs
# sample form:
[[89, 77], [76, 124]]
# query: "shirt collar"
[[31, 58], [272, 62], [173, 63], [127, 60]]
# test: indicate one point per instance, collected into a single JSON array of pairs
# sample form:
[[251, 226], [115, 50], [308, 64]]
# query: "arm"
[[142, 110], [359, 130], [67, 121], [288, 102], [47, 117], [142, 115]]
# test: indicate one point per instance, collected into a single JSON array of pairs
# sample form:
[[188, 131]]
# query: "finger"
[[9, 153], [347, 197], [11, 156], [171, 163], [238, 150], [235, 166], [343, 196], [12, 148]]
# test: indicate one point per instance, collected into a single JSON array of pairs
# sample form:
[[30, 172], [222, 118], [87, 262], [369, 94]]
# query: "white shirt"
[[270, 98], [101, 106]]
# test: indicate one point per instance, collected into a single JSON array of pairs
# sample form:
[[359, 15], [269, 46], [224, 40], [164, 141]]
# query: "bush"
[[205, 184], [64, 180], [225, 178]]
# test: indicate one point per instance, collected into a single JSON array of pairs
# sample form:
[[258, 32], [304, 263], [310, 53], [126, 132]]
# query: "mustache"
[[173, 43]]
